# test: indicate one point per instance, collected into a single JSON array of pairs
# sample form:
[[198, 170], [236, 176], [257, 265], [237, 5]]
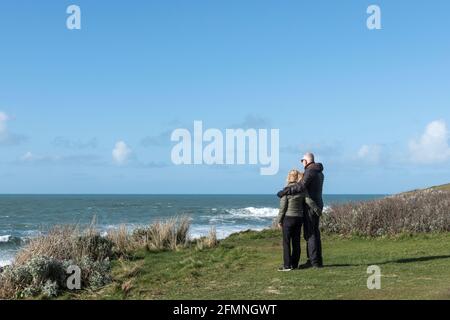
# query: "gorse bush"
[[40, 268], [414, 212]]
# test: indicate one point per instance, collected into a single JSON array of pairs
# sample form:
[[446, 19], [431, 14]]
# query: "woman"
[[290, 220]]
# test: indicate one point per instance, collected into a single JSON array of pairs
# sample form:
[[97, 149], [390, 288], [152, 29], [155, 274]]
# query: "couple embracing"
[[301, 205]]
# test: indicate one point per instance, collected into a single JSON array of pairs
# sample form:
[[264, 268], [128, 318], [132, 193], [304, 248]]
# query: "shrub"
[[93, 246], [414, 212], [95, 273], [40, 267], [39, 275]]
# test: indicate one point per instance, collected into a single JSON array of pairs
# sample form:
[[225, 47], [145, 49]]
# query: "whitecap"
[[252, 212], [4, 263], [5, 238]]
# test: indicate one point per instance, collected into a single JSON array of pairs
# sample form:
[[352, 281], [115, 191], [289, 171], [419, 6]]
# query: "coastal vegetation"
[[406, 235]]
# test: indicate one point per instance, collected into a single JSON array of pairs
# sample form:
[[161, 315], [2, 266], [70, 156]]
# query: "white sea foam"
[[5, 238], [4, 263], [252, 212]]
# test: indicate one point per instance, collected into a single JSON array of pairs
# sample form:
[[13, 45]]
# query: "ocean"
[[25, 216]]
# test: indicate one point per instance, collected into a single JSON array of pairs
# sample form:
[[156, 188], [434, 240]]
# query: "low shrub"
[[414, 212], [40, 268]]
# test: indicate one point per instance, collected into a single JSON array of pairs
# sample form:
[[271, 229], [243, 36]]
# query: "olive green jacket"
[[294, 206]]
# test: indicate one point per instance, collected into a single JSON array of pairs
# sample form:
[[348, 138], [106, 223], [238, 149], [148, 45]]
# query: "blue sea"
[[23, 217]]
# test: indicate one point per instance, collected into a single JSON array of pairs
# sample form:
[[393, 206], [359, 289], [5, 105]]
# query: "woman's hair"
[[293, 176], [300, 176]]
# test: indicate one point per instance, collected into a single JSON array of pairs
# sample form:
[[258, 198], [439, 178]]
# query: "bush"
[[40, 275], [93, 246], [414, 212], [40, 268]]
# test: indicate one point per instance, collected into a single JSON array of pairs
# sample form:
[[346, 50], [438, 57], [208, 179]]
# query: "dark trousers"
[[292, 228], [313, 239]]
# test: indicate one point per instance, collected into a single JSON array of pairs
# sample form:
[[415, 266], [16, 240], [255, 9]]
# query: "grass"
[[445, 187], [244, 265]]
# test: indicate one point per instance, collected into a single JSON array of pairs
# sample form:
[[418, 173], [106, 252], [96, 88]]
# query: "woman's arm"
[[283, 209]]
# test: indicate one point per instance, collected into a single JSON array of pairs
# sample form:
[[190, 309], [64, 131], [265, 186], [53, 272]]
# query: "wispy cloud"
[[66, 143], [163, 139], [322, 149], [371, 154], [7, 137], [45, 159], [252, 121]]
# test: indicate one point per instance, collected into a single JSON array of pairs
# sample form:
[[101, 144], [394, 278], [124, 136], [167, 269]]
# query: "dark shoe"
[[306, 265], [283, 269]]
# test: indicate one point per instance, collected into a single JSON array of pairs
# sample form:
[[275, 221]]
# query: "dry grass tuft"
[[58, 243], [123, 241], [171, 234], [210, 241]]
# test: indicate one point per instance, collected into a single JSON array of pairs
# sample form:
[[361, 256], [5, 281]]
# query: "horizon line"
[[178, 194]]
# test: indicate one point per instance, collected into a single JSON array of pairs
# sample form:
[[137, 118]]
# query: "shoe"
[[306, 265], [283, 269]]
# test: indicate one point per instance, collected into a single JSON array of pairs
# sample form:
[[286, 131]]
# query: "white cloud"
[[6, 137], [370, 153], [3, 128], [433, 145], [121, 153]]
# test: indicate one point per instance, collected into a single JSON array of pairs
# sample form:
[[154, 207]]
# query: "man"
[[312, 182]]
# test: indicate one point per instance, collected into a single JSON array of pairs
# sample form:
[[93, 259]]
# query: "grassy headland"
[[243, 266], [406, 235]]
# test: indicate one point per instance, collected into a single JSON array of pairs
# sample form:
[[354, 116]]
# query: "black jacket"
[[312, 182]]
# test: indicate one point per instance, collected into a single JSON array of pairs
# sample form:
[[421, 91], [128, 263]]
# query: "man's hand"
[[283, 192], [280, 225]]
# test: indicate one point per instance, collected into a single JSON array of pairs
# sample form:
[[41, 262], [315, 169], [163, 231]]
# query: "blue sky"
[[372, 104]]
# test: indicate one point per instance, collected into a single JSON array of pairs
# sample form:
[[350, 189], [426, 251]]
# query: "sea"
[[23, 217]]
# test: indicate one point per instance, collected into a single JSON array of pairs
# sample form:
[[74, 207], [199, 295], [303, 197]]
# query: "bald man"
[[312, 182]]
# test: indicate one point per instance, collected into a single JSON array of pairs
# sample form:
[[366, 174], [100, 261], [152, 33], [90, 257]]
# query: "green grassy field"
[[244, 266], [445, 187]]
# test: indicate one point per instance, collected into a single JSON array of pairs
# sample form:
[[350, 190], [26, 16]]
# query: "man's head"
[[307, 159]]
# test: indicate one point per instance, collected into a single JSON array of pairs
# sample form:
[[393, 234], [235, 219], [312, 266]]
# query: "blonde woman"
[[291, 217], [290, 220]]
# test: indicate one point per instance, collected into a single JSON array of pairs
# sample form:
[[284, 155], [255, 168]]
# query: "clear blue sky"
[[373, 105]]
